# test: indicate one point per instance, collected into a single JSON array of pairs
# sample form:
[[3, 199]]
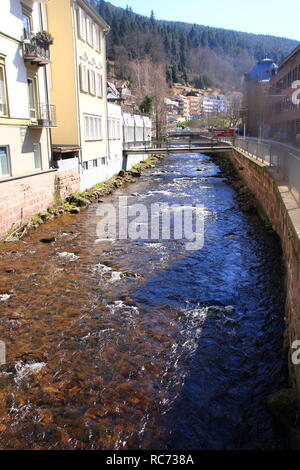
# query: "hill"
[[199, 55]]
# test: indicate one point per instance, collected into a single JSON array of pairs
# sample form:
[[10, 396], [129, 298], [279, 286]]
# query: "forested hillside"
[[201, 55]]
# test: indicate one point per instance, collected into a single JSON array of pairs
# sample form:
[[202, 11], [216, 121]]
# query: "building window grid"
[[88, 31], [93, 127], [114, 127]]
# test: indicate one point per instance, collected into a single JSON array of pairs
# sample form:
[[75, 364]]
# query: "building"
[[115, 134], [194, 100], [283, 119], [137, 129], [184, 107], [78, 86], [256, 86], [25, 112], [29, 183], [214, 104]]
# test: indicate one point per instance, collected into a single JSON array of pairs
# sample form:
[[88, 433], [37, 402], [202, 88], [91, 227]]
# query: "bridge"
[[181, 142]]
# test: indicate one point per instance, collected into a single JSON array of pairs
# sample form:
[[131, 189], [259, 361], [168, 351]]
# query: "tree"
[[152, 16], [146, 106], [233, 112], [149, 80]]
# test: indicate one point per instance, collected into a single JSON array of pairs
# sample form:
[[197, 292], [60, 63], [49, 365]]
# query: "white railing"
[[283, 157]]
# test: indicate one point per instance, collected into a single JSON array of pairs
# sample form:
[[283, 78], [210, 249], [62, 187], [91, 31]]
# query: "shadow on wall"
[[16, 11], [31, 137]]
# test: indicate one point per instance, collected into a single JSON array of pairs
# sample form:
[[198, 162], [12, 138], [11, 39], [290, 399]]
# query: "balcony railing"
[[36, 52], [45, 115]]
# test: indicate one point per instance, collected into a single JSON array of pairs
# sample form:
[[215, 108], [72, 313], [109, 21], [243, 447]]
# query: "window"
[[3, 92], [85, 165], [27, 21], [84, 80], [95, 163], [4, 162], [26, 26], [89, 28], [81, 21], [37, 156], [32, 98], [92, 74], [99, 85], [97, 38], [93, 127]]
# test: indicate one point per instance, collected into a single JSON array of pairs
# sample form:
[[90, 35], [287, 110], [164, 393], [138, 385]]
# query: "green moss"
[[79, 199], [37, 219]]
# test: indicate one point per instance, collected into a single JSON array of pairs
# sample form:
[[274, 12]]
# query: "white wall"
[[115, 144], [20, 139]]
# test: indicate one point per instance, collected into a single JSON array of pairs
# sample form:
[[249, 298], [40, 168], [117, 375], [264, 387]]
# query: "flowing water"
[[142, 344]]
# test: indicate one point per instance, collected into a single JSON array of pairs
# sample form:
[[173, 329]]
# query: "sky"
[[273, 17]]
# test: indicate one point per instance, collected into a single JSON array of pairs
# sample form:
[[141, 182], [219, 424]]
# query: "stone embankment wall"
[[23, 198], [281, 209]]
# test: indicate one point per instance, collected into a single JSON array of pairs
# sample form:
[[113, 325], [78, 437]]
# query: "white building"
[[137, 129], [214, 104], [25, 112]]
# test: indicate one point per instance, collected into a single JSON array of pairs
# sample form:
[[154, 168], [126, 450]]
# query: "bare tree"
[[149, 79], [233, 112]]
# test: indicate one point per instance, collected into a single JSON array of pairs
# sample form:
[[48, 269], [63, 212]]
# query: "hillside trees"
[[186, 50]]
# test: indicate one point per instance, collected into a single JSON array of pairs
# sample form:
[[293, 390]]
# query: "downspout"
[[73, 6], [48, 131], [105, 98]]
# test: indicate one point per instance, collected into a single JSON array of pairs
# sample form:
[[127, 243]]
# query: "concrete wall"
[[23, 198], [283, 212]]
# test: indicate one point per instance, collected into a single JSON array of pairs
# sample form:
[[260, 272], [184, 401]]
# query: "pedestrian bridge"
[[200, 145]]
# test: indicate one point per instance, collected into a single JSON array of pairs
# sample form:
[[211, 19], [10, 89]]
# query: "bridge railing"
[[169, 144], [284, 158]]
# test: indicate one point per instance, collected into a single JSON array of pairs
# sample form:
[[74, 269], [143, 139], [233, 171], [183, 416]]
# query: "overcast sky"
[[273, 17]]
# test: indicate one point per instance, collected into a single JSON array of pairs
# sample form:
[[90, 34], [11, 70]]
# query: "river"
[[143, 344]]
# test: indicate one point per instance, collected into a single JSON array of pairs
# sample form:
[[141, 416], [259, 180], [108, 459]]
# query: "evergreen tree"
[[146, 107]]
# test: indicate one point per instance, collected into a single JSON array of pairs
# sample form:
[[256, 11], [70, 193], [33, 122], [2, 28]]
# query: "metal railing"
[[284, 158], [166, 144], [45, 115], [36, 52]]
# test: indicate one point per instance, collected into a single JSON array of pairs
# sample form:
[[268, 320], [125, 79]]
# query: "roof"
[[263, 71], [290, 56]]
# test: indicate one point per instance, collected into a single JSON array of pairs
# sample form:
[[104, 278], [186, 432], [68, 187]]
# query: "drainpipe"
[[73, 6], [106, 103], [48, 131]]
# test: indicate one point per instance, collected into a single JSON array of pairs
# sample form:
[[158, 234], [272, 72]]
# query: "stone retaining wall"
[[23, 198], [281, 209]]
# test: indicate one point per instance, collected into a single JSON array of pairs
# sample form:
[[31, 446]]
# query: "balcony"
[[43, 116], [36, 49]]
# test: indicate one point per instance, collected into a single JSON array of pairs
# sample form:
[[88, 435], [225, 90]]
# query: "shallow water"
[[144, 345]]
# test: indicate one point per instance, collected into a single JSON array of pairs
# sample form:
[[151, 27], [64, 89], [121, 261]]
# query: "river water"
[[142, 344]]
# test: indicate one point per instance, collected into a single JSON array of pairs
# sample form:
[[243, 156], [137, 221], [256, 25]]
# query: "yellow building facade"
[[78, 85]]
